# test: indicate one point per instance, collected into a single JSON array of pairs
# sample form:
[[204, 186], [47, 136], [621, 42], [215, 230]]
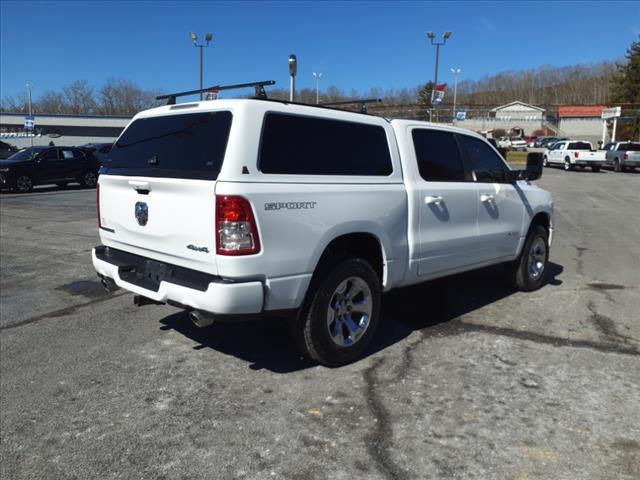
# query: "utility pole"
[[456, 72], [431, 36], [194, 38]]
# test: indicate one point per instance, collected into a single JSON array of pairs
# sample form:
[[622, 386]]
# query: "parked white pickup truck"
[[519, 144], [622, 155], [235, 209], [574, 153]]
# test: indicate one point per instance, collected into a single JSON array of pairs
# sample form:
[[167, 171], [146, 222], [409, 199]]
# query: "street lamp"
[[29, 87], [456, 72], [194, 38], [317, 77], [431, 36]]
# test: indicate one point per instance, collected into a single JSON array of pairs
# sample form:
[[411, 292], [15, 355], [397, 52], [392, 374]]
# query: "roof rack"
[[362, 103], [259, 86]]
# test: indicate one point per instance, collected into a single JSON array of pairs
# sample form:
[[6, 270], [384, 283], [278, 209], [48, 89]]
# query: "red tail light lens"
[[98, 204], [236, 229], [575, 154], [626, 156]]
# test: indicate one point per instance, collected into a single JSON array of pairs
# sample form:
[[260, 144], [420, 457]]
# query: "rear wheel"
[[529, 270], [341, 315], [545, 161], [567, 164], [617, 165], [23, 184], [89, 179]]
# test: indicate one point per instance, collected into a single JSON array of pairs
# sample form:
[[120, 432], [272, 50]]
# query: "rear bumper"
[[178, 285], [589, 163]]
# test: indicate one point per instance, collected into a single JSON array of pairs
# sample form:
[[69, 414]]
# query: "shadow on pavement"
[[267, 343]]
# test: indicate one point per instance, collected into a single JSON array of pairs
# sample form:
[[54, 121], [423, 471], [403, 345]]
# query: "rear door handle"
[[487, 198], [433, 199]]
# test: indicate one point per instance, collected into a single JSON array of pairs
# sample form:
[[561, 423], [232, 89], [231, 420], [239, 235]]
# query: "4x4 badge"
[[142, 213]]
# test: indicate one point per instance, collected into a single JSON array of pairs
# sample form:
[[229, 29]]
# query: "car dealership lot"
[[467, 379]]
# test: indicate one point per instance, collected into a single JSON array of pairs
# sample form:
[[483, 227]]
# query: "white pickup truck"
[[574, 153], [622, 155], [248, 208]]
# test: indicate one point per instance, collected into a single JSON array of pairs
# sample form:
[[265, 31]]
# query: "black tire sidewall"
[[522, 279], [317, 340]]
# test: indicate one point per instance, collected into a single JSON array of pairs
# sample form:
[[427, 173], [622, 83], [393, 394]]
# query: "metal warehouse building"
[[61, 129]]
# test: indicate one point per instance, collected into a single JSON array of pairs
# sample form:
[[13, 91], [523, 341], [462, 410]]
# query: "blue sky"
[[356, 45]]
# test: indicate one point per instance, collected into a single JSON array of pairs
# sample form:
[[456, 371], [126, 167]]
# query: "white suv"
[[242, 208]]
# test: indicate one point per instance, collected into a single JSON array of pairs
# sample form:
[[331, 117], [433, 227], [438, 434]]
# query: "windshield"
[[23, 155], [177, 146]]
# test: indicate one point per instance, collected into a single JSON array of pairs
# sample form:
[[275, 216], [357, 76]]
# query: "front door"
[[500, 204]]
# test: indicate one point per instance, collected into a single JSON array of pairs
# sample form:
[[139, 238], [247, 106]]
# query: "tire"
[[595, 169], [528, 272], [23, 184], [326, 328], [89, 179], [617, 166], [567, 165], [545, 161]]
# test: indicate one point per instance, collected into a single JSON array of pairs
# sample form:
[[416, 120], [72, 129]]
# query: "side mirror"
[[533, 171]]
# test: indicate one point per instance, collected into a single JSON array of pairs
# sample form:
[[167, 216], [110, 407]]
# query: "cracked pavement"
[[466, 379]]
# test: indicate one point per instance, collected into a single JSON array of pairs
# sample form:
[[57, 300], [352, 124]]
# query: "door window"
[[50, 155], [66, 155], [485, 163], [438, 156]]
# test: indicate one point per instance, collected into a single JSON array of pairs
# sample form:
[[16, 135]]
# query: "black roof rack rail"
[[259, 86], [362, 103]]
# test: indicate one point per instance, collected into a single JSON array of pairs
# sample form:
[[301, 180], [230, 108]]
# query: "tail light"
[[575, 154], [626, 156], [98, 204], [236, 230]]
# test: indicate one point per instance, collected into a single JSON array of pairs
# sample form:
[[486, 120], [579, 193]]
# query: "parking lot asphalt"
[[466, 379]]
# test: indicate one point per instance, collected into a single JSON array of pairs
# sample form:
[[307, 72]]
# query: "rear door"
[[448, 204], [157, 188]]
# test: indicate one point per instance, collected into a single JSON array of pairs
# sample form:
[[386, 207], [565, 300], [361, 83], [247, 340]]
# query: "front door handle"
[[487, 198], [429, 199]]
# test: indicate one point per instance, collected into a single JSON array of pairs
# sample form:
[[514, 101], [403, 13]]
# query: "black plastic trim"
[[148, 273]]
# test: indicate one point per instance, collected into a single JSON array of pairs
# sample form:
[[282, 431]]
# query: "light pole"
[[456, 72], [293, 69], [431, 36], [317, 77], [29, 87], [194, 38]]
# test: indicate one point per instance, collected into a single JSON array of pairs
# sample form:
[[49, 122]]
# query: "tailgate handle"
[[141, 187]]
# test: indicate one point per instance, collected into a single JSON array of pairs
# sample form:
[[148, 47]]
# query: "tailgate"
[[157, 187], [167, 219]]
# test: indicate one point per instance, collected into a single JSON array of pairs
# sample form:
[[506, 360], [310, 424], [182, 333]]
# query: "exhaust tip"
[[109, 284], [201, 319]]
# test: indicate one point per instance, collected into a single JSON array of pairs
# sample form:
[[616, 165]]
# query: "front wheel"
[[529, 270], [341, 315], [23, 184]]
